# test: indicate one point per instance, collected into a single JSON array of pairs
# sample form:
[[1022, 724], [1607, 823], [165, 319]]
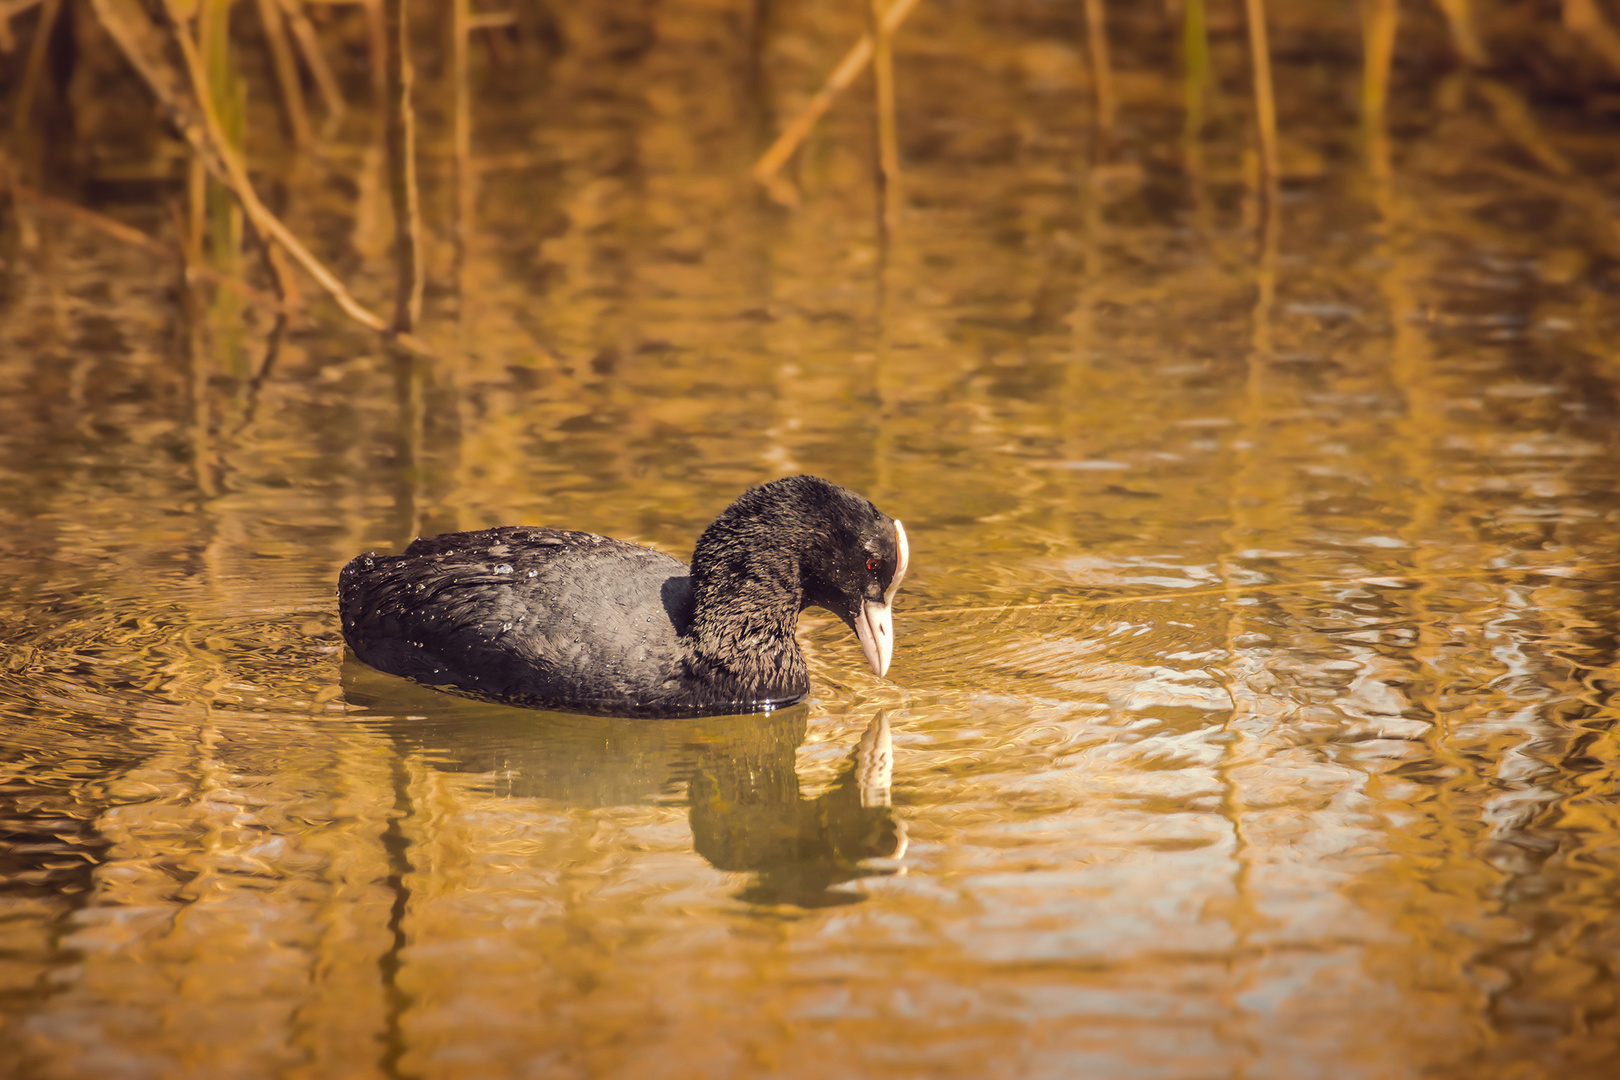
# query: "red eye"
[[873, 564]]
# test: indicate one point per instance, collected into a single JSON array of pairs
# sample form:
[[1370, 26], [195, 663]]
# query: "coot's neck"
[[747, 593]]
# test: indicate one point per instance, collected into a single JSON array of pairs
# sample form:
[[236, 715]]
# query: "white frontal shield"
[[874, 626]]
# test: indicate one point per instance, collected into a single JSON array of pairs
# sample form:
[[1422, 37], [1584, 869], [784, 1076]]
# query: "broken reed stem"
[[1585, 20], [1518, 122], [1378, 24], [209, 143], [281, 57], [1102, 72], [1578, 193], [127, 23], [888, 145], [1460, 14], [402, 189], [854, 62], [35, 65], [273, 266], [310, 46], [1265, 102], [8, 11], [117, 230]]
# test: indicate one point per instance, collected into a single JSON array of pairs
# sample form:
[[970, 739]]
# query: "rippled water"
[[1253, 711]]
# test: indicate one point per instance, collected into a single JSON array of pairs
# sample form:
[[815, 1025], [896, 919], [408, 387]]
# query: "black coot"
[[579, 622]]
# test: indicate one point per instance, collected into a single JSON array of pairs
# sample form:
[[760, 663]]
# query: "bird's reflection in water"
[[800, 848], [737, 772]]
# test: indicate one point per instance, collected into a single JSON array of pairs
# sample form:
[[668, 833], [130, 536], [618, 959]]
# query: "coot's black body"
[[574, 621]]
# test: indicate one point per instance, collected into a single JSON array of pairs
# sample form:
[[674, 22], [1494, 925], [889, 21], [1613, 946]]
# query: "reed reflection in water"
[[735, 775]]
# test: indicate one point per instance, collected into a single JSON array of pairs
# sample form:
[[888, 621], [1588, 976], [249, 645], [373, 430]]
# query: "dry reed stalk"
[[281, 273], [34, 65], [1265, 101], [461, 122], [1585, 20], [107, 226], [1518, 122], [1379, 19], [9, 11], [887, 173], [402, 189], [1102, 72], [310, 46], [281, 57], [1195, 59], [854, 62], [1578, 193], [127, 234], [255, 387], [274, 266], [1460, 15], [127, 24]]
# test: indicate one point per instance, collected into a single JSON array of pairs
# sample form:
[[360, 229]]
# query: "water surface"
[[1253, 709]]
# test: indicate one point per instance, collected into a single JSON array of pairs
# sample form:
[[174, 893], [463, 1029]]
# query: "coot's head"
[[854, 566], [811, 542]]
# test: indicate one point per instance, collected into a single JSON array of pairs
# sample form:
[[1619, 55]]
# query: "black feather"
[[570, 620]]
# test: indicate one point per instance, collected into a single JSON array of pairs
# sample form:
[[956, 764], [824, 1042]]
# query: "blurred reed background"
[[259, 104]]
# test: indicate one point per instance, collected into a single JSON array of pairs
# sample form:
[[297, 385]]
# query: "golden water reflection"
[[1253, 711]]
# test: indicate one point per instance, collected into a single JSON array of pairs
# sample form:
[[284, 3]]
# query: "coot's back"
[[541, 616]]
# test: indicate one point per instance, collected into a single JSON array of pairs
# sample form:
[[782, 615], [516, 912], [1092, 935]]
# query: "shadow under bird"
[[567, 620]]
